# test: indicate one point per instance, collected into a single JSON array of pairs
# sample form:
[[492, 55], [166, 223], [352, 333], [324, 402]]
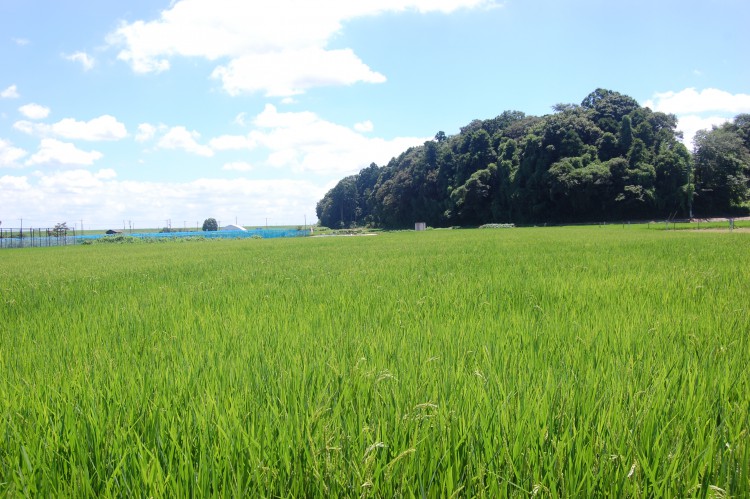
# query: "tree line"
[[605, 159]]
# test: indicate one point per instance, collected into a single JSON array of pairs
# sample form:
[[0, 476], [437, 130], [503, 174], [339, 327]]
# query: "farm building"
[[233, 227]]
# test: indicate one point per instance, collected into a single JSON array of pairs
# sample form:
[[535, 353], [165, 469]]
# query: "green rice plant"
[[558, 362]]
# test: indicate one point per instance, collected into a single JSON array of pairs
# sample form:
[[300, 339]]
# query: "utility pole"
[[690, 191]]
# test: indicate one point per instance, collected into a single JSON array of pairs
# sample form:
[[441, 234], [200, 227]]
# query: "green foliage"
[[60, 229], [607, 159], [722, 167], [210, 224], [565, 362]]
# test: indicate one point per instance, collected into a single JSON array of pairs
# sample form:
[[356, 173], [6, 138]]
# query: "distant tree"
[[60, 229], [722, 169], [210, 224], [440, 136]]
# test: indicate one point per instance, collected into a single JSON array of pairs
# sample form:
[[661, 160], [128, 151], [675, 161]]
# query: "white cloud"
[[692, 101], [302, 141], [690, 124], [10, 93], [238, 166], [274, 35], [288, 73], [365, 126], [180, 138], [21, 42], [86, 60], [240, 119], [103, 201], [10, 185], [104, 127], [699, 110], [146, 132], [76, 181], [231, 143], [34, 111], [55, 152], [10, 155]]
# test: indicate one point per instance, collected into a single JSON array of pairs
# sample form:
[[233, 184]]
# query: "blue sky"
[[147, 111]]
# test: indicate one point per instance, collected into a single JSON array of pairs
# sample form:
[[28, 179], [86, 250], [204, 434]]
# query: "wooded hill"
[[605, 159]]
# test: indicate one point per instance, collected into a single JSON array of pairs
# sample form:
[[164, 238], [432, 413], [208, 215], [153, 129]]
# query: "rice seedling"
[[551, 362]]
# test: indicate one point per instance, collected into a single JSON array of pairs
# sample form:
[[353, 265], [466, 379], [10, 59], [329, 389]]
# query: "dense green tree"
[[671, 182], [625, 135], [605, 159], [340, 207], [722, 169], [210, 224], [607, 147]]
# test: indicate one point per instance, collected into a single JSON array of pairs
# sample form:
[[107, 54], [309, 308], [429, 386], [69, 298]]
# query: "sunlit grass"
[[557, 362]]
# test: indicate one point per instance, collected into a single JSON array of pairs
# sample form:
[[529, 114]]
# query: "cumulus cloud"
[[55, 152], [10, 185], [302, 141], [10, 93], [9, 155], [34, 111], [103, 128], [180, 138], [293, 72], [281, 35], [146, 132], [699, 109], [103, 200], [692, 101], [83, 58], [231, 143], [365, 126]]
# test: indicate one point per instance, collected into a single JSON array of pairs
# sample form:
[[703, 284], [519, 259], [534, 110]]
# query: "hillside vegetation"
[[605, 159]]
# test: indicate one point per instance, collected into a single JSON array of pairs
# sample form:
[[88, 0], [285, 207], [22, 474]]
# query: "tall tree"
[[722, 169]]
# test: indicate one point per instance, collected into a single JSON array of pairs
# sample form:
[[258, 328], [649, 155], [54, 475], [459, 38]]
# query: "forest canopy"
[[606, 158]]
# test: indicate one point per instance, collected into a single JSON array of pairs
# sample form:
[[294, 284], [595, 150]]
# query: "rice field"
[[549, 362]]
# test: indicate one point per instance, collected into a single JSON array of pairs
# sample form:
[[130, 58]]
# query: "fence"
[[35, 238]]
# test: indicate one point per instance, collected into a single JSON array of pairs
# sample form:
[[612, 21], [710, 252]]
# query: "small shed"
[[112, 232], [419, 226], [233, 227]]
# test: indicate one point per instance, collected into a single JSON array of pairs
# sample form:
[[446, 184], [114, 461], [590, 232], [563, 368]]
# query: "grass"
[[552, 362]]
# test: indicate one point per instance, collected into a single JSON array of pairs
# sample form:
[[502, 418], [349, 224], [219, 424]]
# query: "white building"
[[233, 227]]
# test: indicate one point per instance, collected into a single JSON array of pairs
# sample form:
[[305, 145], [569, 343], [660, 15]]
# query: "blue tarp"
[[218, 234]]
